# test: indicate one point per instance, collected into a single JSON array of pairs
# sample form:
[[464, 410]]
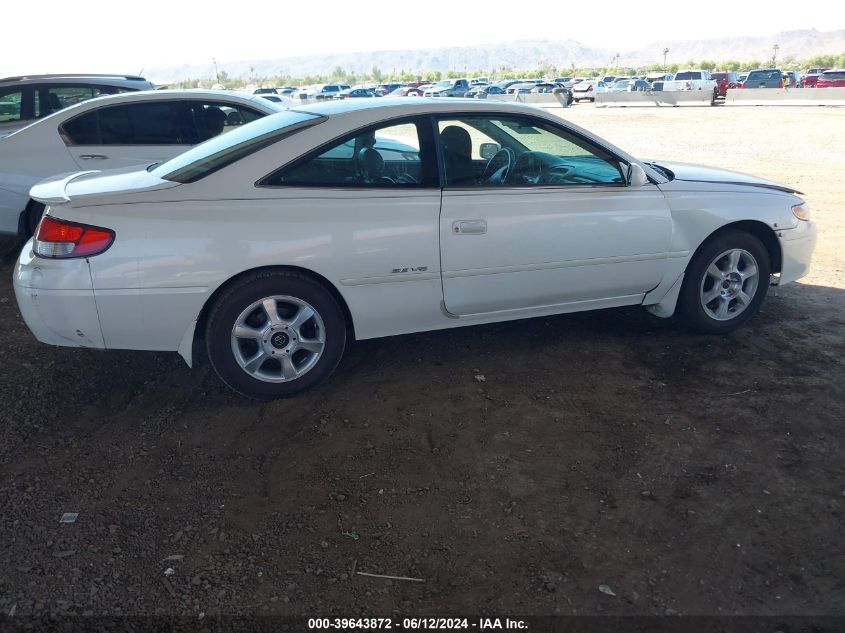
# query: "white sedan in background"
[[588, 89], [118, 131], [274, 244]]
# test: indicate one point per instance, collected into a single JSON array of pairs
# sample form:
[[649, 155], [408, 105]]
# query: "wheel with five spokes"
[[725, 283], [275, 333]]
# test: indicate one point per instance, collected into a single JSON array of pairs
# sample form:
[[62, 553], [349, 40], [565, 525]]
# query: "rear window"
[[687, 76], [10, 104], [839, 74], [764, 75], [720, 76], [226, 149]]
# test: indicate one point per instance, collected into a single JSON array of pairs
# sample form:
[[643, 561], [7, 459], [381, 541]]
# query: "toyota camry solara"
[[276, 243]]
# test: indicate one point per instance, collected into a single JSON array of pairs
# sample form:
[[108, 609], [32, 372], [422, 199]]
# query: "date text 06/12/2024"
[[413, 624]]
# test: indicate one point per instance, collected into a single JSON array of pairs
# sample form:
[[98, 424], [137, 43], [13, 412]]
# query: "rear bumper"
[[56, 300], [797, 246]]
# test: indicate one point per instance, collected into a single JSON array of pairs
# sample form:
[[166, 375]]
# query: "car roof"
[[183, 93], [71, 76], [421, 105]]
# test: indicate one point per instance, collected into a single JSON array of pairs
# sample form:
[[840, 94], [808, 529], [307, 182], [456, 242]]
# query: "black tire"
[[690, 307], [32, 216], [254, 287]]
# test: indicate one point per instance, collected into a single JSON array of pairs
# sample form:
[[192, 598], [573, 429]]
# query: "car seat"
[[457, 155]]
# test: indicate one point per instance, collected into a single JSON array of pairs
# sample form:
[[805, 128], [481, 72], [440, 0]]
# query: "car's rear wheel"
[[725, 283], [273, 334]]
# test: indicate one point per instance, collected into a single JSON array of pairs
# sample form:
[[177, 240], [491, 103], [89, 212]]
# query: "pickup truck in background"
[[693, 79], [448, 88]]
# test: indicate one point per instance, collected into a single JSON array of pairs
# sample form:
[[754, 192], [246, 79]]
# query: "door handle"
[[469, 227], [92, 156]]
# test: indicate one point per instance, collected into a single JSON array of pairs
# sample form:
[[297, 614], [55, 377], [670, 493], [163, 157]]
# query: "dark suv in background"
[[27, 98], [725, 79], [764, 78]]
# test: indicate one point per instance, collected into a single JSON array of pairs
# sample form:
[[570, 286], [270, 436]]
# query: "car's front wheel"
[[273, 334], [725, 283]]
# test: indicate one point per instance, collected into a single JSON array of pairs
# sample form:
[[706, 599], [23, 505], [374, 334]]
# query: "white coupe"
[[131, 129], [276, 243]]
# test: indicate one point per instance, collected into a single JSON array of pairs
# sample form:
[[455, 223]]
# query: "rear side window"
[[390, 155], [151, 123], [833, 75], [10, 105], [83, 130], [210, 118], [50, 99], [764, 75]]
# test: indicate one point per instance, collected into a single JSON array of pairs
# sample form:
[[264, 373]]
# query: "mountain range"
[[521, 55]]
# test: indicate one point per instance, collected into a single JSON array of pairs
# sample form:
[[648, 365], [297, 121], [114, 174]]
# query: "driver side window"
[[494, 151], [386, 156]]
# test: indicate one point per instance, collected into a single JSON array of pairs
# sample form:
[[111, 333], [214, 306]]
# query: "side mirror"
[[636, 175], [488, 150]]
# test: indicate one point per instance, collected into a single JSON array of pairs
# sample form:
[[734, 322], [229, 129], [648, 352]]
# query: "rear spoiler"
[[53, 191]]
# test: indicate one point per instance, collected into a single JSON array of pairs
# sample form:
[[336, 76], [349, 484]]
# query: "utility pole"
[[665, 53], [216, 72]]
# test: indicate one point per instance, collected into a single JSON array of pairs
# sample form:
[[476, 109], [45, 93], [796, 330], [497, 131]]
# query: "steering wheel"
[[499, 166]]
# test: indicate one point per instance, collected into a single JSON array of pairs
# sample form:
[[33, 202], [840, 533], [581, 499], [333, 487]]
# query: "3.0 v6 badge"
[[411, 269]]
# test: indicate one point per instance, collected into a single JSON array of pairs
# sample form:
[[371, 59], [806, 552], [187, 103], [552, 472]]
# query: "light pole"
[[216, 72], [775, 49], [665, 53]]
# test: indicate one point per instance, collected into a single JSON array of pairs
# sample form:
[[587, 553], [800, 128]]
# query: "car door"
[[533, 215], [129, 134], [369, 204]]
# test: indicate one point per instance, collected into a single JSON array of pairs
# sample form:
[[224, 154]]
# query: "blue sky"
[[104, 36]]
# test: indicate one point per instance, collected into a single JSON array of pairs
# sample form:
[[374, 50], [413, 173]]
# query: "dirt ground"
[[688, 474]]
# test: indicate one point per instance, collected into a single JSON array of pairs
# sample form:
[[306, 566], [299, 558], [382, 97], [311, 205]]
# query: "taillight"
[[60, 239]]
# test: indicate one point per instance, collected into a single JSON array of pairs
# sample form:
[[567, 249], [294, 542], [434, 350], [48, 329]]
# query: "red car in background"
[[812, 76], [831, 79], [725, 79]]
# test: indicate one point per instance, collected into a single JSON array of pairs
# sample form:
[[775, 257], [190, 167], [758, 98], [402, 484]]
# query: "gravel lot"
[[688, 474]]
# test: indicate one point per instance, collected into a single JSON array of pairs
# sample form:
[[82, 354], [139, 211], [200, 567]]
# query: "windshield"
[[444, 83], [225, 149], [687, 76]]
